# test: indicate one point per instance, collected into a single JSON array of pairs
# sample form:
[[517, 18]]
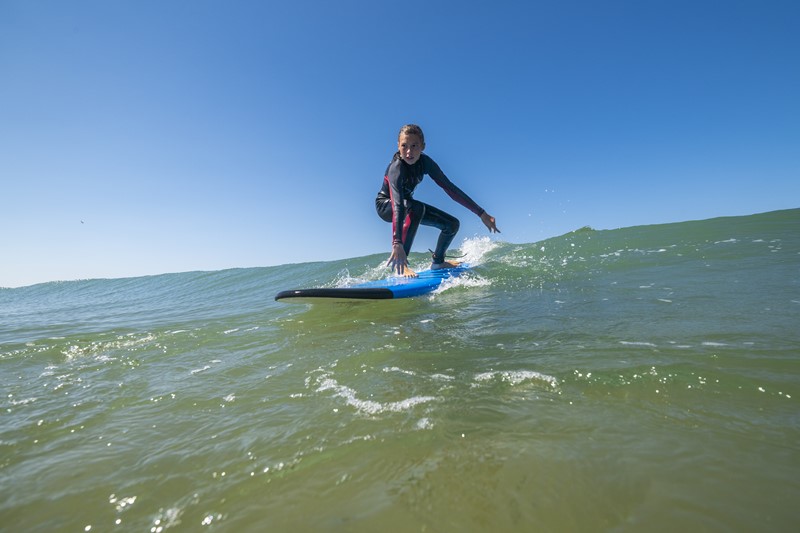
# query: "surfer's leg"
[[410, 224], [415, 214], [384, 209], [448, 224]]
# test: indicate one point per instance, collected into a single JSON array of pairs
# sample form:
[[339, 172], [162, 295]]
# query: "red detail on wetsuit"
[[406, 225], [394, 217]]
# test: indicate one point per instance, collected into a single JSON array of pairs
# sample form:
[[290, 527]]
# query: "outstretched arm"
[[488, 220]]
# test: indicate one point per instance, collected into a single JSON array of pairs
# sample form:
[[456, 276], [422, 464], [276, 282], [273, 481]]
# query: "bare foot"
[[446, 264], [408, 273]]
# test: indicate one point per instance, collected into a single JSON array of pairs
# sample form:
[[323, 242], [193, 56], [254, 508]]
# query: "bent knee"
[[453, 227]]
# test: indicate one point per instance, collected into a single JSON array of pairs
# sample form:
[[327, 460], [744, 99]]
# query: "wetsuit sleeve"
[[450, 188], [396, 196]]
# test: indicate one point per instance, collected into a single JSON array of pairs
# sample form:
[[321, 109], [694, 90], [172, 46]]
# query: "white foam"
[[26, 401], [343, 279], [468, 280], [516, 377], [629, 343], [400, 370], [370, 407], [424, 423], [476, 248]]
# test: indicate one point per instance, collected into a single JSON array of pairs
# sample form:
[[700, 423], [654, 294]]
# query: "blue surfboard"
[[393, 287]]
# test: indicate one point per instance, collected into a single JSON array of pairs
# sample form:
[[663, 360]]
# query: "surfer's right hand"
[[398, 260]]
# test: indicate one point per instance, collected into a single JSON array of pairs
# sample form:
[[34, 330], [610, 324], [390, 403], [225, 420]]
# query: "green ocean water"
[[640, 379]]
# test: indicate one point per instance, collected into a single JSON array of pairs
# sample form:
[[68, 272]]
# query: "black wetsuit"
[[395, 203]]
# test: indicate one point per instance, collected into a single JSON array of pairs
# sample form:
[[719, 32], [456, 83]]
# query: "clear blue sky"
[[144, 137]]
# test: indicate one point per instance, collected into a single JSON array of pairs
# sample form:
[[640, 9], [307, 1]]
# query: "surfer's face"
[[410, 147]]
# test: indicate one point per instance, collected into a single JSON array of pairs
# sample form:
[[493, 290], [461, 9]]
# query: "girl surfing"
[[395, 202]]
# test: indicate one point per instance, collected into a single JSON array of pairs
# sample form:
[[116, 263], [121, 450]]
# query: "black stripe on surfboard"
[[365, 293]]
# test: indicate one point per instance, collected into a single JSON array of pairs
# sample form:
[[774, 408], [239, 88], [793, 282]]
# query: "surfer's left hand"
[[489, 222]]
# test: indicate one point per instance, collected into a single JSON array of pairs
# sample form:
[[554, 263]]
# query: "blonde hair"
[[412, 129]]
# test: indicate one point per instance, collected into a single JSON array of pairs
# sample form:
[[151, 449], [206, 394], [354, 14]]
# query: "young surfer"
[[396, 204]]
